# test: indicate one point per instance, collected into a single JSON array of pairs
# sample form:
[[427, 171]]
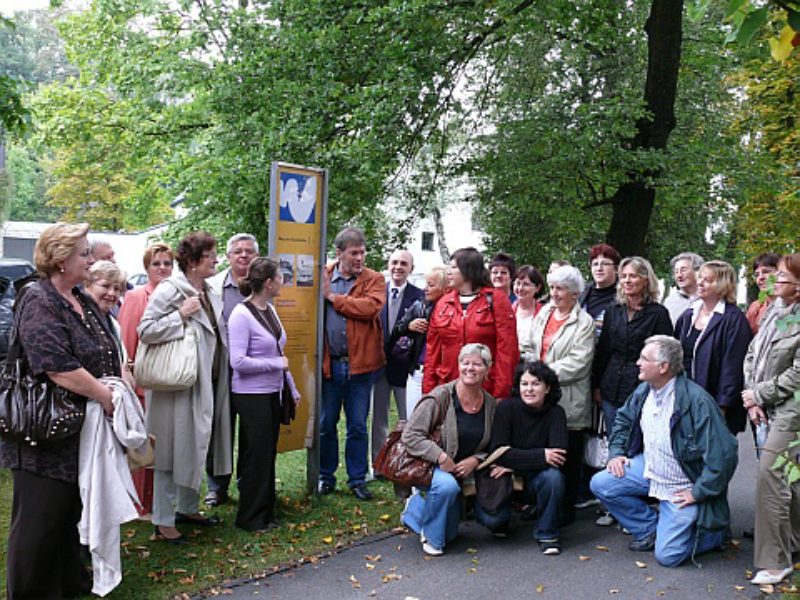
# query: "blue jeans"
[[352, 391], [546, 488], [676, 535], [438, 511]]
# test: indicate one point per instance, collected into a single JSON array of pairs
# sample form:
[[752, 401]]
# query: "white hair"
[[569, 277], [477, 350], [241, 237]]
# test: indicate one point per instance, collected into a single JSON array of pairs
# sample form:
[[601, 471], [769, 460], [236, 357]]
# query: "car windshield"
[[14, 272]]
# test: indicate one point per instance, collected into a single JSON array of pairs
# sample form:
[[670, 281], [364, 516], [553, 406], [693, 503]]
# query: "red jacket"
[[362, 308], [449, 330]]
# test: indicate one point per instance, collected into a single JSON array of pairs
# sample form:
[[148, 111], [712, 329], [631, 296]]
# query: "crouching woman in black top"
[[534, 428]]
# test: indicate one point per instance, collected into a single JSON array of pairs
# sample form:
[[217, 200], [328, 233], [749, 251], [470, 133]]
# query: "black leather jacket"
[[421, 309]]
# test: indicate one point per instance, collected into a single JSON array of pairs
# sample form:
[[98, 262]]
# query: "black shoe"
[[325, 488], [646, 544], [361, 492], [215, 498], [550, 547], [202, 521]]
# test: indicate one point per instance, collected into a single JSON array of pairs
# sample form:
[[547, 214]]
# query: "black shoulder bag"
[[34, 409]]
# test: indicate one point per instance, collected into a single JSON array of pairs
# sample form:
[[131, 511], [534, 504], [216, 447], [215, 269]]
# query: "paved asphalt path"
[[595, 563]]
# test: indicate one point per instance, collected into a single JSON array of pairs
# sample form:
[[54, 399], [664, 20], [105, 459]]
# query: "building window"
[[427, 240]]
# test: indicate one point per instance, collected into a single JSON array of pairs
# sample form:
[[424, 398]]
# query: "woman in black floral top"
[[64, 335]]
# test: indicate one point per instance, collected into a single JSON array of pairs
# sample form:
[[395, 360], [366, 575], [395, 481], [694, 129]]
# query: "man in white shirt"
[[684, 270], [670, 441], [391, 380]]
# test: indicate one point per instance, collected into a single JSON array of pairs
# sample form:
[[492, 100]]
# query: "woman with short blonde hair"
[[66, 339], [714, 334], [56, 244], [724, 277]]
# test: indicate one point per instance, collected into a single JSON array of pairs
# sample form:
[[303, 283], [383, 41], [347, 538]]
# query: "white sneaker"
[[422, 537], [587, 503], [430, 550], [764, 577], [605, 520]]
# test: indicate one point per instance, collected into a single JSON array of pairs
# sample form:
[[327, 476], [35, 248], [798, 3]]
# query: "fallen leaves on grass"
[[328, 539], [540, 589], [603, 548], [354, 582], [584, 558], [373, 557], [472, 550], [640, 564]]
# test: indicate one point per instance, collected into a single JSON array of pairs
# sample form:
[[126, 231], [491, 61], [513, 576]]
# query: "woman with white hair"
[[562, 336], [465, 412]]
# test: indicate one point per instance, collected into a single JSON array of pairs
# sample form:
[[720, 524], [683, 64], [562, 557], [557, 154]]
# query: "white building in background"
[[19, 238], [459, 232]]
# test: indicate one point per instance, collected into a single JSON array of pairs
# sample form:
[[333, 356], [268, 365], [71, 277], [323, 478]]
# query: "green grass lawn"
[[309, 527]]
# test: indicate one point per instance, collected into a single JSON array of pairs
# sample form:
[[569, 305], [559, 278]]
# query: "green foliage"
[[29, 185], [766, 123]]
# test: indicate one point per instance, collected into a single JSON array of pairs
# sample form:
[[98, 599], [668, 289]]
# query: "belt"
[[344, 358]]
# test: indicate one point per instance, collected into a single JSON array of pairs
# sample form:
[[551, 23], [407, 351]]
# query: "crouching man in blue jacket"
[[670, 442]]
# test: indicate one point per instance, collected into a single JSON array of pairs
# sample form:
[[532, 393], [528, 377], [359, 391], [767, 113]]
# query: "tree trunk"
[[634, 201], [437, 221]]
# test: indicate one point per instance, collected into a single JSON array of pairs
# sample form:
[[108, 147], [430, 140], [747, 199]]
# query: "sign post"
[[298, 209]]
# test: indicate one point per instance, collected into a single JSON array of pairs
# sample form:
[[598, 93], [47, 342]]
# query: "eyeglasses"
[[601, 264], [161, 263], [643, 358]]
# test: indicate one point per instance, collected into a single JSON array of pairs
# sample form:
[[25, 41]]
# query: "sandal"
[[160, 537]]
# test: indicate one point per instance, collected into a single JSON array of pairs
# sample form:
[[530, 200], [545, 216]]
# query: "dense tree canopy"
[[563, 122]]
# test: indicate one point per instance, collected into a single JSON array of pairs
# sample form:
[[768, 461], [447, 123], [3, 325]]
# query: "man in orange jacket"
[[353, 352]]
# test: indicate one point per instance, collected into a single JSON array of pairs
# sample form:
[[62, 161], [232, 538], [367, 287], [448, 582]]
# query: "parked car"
[[11, 270], [137, 280]]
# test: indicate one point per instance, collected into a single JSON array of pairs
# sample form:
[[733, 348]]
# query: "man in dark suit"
[[400, 295]]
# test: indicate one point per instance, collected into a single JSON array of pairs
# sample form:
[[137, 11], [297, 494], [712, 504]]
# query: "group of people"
[[512, 369], [509, 367], [75, 328]]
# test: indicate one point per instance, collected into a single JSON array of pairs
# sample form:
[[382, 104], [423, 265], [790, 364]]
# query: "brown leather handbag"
[[396, 464]]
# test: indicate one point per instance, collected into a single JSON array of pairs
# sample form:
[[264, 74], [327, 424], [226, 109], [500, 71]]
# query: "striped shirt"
[[660, 466]]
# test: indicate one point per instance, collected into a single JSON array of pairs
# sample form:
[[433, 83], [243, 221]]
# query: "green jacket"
[[701, 442]]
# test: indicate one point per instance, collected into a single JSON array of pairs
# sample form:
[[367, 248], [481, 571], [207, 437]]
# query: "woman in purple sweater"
[[256, 340]]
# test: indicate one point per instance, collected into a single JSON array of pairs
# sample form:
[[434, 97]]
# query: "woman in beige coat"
[[562, 335], [193, 425], [772, 381]]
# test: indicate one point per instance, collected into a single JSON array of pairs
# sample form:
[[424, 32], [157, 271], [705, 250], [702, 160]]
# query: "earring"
[[61, 269], [194, 269]]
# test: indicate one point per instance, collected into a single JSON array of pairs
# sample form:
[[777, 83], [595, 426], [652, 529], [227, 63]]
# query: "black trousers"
[[43, 546], [572, 470], [259, 424]]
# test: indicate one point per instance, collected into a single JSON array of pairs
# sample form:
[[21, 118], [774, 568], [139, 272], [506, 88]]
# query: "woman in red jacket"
[[471, 313]]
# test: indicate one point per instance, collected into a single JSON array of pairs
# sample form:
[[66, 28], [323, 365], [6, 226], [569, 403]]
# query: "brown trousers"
[[777, 507]]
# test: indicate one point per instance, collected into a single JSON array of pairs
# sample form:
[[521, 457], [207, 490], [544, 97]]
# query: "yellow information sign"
[[298, 198]]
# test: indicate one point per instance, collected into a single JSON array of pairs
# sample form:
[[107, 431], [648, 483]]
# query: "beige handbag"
[[145, 456], [168, 366]]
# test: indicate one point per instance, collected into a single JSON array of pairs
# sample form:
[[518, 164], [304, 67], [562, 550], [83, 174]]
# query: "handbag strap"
[[268, 322]]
